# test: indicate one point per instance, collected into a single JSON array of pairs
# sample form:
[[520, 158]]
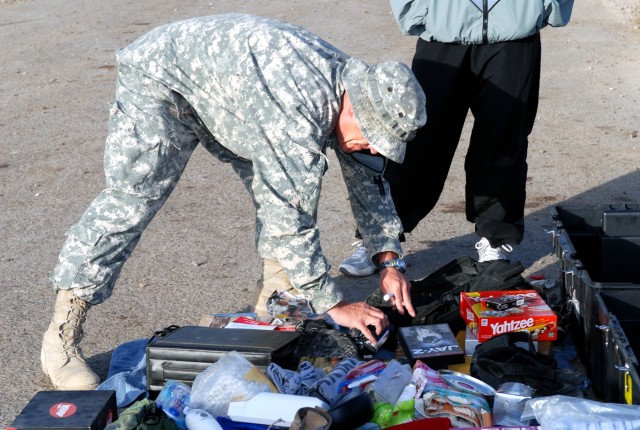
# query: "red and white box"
[[526, 311]]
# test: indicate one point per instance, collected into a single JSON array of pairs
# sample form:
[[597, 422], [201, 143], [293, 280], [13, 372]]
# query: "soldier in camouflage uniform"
[[270, 98]]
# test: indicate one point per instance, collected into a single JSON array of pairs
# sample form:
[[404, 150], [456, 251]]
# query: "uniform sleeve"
[[372, 207], [410, 15]]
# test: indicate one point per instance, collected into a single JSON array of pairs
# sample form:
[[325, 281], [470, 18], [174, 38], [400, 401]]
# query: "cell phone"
[[365, 345]]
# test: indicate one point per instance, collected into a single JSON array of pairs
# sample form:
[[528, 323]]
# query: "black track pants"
[[499, 83]]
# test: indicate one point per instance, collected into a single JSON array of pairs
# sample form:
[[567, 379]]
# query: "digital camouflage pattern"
[[261, 94]]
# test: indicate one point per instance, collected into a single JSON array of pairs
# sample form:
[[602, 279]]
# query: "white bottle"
[[269, 408], [199, 419]]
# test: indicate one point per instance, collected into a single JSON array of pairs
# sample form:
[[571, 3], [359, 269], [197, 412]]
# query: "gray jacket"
[[469, 22], [270, 93]]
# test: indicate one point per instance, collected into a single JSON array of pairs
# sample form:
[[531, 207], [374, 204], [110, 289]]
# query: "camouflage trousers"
[[152, 133]]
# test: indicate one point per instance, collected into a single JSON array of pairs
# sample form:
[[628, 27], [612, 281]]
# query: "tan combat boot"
[[61, 357], [273, 279]]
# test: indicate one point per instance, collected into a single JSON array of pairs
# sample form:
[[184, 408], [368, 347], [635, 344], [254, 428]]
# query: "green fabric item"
[[143, 415]]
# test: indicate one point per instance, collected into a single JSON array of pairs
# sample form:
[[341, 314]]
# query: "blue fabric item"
[[327, 387], [565, 354], [228, 424], [291, 382], [128, 373]]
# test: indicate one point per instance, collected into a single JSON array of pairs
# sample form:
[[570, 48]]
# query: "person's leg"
[[504, 106], [147, 149], [273, 279], [417, 183]]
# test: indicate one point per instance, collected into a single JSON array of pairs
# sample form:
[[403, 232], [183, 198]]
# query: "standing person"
[[482, 56], [270, 98]]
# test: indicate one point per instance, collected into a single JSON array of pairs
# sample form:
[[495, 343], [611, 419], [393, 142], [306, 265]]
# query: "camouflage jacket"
[[270, 93]]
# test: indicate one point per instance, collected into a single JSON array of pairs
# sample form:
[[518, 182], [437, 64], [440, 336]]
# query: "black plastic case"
[[599, 249], [616, 346], [182, 354]]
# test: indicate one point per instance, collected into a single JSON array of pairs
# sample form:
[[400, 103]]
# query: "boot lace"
[[71, 332]]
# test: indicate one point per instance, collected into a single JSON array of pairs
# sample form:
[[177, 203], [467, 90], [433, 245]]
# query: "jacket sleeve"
[[410, 15], [558, 12]]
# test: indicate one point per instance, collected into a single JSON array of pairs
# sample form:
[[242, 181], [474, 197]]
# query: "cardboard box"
[[69, 410], [534, 315]]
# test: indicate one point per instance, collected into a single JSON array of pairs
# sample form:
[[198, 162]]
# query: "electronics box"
[[184, 353], [599, 249], [69, 410], [615, 347], [533, 315]]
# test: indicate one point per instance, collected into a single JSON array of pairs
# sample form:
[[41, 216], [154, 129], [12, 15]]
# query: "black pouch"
[[319, 339], [500, 359]]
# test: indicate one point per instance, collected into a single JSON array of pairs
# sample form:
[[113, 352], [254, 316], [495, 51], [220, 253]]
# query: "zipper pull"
[[378, 180]]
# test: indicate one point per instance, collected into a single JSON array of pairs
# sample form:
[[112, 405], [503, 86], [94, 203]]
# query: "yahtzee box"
[[490, 313]]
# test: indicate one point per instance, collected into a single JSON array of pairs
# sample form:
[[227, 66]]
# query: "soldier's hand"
[[360, 315], [394, 283]]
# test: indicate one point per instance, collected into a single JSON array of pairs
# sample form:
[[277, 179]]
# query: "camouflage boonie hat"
[[388, 103]]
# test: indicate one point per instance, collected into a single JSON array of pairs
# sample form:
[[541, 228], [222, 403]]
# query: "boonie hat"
[[388, 103]]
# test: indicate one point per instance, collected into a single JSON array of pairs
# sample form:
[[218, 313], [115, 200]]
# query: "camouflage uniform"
[[261, 94]]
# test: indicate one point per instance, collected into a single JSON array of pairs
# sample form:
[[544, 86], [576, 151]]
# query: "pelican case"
[[180, 354], [599, 249], [616, 346]]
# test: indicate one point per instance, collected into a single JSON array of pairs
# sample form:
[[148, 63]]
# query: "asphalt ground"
[[57, 76]]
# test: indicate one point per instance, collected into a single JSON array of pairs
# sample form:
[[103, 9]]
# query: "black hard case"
[[68, 410], [599, 249], [616, 346], [182, 354]]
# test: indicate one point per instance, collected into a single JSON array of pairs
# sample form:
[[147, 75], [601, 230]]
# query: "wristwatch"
[[398, 263]]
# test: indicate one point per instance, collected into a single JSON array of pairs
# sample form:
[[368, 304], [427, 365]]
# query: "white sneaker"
[[487, 253], [359, 263]]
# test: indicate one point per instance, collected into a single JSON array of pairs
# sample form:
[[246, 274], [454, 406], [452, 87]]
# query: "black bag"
[[436, 298], [500, 359], [319, 339]]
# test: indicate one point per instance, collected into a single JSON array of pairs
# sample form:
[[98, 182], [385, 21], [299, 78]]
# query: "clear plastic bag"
[[569, 413], [232, 378]]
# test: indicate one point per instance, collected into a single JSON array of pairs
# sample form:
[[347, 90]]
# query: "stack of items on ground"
[[487, 349], [298, 372]]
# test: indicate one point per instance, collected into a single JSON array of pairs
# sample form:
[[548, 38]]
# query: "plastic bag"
[[232, 378], [565, 413]]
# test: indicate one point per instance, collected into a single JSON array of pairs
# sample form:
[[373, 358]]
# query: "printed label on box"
[[522, 310]]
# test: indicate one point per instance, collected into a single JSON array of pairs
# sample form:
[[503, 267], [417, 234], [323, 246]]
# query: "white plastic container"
[[271, 408]]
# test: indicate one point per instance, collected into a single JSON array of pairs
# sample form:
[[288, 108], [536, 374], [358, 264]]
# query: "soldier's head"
[[386, 104]]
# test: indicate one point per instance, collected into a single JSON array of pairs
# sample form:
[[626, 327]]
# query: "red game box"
[[490, 313]]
